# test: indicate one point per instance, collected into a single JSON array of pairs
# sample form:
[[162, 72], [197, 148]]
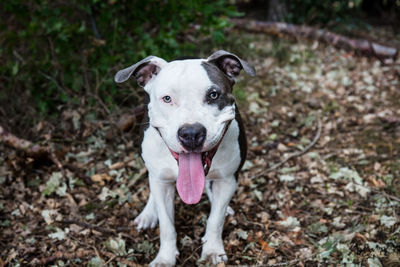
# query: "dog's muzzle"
[[193, 165], [192, 136]]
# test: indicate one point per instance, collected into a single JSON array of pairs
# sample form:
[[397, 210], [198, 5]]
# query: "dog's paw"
[[146, 219], [165, 258], [213, 252], [161, 262]]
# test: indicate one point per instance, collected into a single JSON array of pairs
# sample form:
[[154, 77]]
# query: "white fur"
[[186, 82]]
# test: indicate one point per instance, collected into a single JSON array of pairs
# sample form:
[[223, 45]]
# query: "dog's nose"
[[192, 136]]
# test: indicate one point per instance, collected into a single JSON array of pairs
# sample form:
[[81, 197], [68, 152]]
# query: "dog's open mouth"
[[193, 168]]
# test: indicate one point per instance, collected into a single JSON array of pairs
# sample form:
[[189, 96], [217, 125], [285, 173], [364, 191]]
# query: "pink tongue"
[[191, 178]]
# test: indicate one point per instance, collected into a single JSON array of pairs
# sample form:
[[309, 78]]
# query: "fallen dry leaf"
[[376, 182], [266, 247], [101, 178]]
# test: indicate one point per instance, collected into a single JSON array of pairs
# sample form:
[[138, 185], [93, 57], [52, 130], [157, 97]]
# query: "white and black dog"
[[195, 138]]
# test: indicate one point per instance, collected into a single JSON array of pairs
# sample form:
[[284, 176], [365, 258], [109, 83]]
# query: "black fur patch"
[[223, 86], [242, 141], [145, 121]]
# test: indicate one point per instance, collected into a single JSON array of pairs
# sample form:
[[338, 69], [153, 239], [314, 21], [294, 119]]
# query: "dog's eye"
[[167, 99], [213, 95]]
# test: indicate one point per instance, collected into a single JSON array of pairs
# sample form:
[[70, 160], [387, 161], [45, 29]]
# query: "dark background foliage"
[[57, 53], [66, 52]]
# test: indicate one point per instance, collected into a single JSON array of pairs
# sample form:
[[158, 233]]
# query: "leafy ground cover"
[[338, 204]]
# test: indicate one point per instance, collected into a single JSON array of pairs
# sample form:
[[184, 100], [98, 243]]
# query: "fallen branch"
[[294, 155], [31, 149], [365, 47], [119, 259]]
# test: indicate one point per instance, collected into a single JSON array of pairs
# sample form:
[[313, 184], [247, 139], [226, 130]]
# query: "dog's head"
[[191, 101]]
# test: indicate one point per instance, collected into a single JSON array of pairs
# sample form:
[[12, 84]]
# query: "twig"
[[94, 26], [386, 195], [294, 155], [52, 79], [19, 57], [286, 263], [104, 106], [191, 255], [110, 260], [97, 253], [119, 259]]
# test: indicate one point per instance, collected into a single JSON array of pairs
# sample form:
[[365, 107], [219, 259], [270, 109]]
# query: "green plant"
[[66, 52]]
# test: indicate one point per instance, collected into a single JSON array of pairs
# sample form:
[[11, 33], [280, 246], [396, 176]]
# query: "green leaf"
[[318, 228], [146, 247], [95, 262], [59, 234], [5, 223], [52, 184], [388, 221], [15, 69], [116, 245], [242, 234], [286, 178], [290, 222]]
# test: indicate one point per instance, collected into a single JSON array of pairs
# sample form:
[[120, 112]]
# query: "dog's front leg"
[[213, 247], [163, 192]]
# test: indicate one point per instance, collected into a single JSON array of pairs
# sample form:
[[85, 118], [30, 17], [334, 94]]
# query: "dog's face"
[[192, 95], [191, 101], [191, 106]]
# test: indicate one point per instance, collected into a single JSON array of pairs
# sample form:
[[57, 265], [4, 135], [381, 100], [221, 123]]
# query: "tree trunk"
[[277, 10]]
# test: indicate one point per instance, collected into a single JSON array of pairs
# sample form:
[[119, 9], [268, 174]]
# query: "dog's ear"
[[230, 64], [143, 71]]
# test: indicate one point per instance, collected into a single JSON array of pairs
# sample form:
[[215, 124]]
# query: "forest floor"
[[337, 204]]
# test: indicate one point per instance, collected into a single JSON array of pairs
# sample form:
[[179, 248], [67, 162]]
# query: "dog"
[[194, 138]]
